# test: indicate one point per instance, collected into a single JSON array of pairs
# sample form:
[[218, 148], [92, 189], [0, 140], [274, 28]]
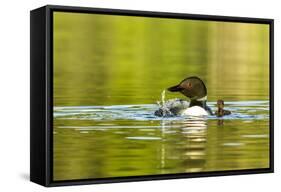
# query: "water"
[[126, 140], [245, 110], [109, 71]]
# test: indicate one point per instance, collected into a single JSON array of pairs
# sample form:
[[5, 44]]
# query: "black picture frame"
[[41, 99]]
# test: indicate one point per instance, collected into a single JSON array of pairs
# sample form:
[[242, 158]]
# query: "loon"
[[221, 112], [193, 88]]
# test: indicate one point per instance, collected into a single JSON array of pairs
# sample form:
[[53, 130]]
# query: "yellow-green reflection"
[[120, 60]]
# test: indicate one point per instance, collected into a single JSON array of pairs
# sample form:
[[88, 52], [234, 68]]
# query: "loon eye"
[[188, 85]]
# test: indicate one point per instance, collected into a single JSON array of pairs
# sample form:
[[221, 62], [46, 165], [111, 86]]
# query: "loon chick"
[[195, 89], [221, 112]]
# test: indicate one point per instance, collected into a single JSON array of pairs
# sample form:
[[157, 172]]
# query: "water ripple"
[[246, 110]]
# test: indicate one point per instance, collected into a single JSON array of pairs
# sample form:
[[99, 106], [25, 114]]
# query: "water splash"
[[162, 102], [164, 110], [163, 96], [171, 107]]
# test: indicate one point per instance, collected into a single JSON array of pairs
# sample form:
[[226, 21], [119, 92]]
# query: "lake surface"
[[127, 140], [109, 72]]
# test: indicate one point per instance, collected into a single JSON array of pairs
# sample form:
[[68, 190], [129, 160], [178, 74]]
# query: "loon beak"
[[175, 88]]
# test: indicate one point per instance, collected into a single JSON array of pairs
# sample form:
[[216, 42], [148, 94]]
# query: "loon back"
[[175, 107], [172, 107]]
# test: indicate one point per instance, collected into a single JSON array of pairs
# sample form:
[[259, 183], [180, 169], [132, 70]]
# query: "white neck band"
[[202, 98]]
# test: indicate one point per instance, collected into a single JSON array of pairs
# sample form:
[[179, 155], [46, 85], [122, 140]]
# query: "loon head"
[[192, 87], [220, 104]]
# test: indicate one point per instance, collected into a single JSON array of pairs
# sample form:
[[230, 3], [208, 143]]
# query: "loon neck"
[[200, 103]]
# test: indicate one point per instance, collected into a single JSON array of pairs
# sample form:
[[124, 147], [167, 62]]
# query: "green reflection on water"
[[114, 60], [95, 153]]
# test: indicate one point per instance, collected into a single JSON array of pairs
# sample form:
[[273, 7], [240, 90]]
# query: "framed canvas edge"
[[49, 182], [38, 136], [159, 14], [159, 177]]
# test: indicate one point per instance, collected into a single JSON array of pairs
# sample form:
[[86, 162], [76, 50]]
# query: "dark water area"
[[109, 72]]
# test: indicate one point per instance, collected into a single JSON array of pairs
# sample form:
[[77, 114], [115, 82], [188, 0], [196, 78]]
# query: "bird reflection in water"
[[189, 149]]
